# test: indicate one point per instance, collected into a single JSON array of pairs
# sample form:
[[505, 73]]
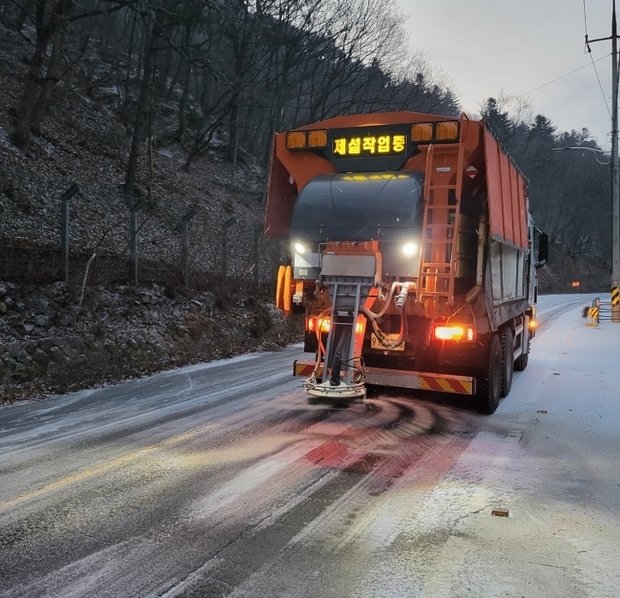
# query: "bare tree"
[[142, 111], [51, 16]]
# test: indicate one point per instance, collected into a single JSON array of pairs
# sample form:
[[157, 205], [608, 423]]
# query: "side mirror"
[[541, 242]]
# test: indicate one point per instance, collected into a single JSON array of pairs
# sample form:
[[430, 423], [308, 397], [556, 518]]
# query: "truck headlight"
[[299, 247]]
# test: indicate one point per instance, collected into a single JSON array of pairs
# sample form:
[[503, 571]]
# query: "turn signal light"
[[454, 333]]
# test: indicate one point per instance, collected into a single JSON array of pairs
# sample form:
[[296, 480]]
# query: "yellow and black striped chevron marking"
[[306, 369], [446, 384], [615, 296]]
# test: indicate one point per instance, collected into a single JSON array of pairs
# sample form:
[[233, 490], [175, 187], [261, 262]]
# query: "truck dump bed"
[[506, 189]]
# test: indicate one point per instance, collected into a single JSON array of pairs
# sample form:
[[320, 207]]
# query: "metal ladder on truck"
[[442, 197]]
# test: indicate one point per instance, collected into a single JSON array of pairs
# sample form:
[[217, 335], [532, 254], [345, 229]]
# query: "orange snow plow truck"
[[413, 254]]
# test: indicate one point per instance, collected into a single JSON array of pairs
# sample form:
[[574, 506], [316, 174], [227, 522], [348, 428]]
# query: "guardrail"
[[597, 311]]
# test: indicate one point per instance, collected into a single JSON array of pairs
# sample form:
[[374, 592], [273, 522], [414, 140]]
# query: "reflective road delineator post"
[[593, 315]]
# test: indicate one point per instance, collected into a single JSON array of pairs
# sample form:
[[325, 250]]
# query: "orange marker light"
[[317, 138], [296, 140], [422, 132], [448, 131]]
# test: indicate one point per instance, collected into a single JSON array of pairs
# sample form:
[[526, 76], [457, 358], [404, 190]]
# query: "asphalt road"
[[222, 480]]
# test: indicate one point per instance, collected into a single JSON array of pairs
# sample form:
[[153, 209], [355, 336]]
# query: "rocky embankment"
[[53, 339]]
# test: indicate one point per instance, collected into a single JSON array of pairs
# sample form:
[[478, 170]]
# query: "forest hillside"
[[145, 130]]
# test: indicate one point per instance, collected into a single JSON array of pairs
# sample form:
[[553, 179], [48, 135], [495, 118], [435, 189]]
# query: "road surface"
[[222, 480]]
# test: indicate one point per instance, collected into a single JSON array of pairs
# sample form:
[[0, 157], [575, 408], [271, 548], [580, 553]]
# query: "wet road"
[[222, 480]]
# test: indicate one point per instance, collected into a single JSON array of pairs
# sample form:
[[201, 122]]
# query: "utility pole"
[[615, 168]]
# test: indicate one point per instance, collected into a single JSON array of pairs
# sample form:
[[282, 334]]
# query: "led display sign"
[[367, 146], [371, 148]]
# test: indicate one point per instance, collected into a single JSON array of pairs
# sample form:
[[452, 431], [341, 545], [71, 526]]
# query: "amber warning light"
[[438, 132], [299, 140], [373, 141]]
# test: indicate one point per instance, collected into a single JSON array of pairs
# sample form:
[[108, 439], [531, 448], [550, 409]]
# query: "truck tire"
[[508, 361], [521, 361], [490, 379]]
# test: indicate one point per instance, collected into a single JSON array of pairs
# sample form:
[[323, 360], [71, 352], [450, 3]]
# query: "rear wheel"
[[490, 379], [521, 361], [507, 361]]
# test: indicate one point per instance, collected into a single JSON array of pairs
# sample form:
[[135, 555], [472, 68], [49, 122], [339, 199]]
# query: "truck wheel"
[[521, 361], [507, 361], [490, 380]]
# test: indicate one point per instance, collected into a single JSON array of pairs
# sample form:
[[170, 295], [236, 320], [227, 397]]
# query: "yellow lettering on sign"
[[340, 146], [398, 143], [369, 144], [355, 145], [384, 144]]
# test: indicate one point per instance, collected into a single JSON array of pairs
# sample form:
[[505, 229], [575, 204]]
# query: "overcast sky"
[[520, 47]]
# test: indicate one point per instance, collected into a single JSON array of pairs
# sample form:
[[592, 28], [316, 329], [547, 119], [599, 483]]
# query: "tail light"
[[324, 325], [321, 324], [453, 332]]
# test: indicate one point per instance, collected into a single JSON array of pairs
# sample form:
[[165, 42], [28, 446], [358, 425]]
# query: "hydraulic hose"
[[400, 304], [371, 314], [321, 348]]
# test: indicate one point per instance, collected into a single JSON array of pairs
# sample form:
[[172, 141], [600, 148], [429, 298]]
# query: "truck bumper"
[[465, 385]]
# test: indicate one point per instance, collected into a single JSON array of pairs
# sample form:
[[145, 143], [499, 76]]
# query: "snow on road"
[[223, 481], [556, 471], [549, 459]]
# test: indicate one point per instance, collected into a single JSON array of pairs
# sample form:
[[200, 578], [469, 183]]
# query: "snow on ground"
[[556, 471], [549, 456]]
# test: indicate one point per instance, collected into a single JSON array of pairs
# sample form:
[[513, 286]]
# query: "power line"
[[561, 77], [600, 84], [615, 166], [589, 51]]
